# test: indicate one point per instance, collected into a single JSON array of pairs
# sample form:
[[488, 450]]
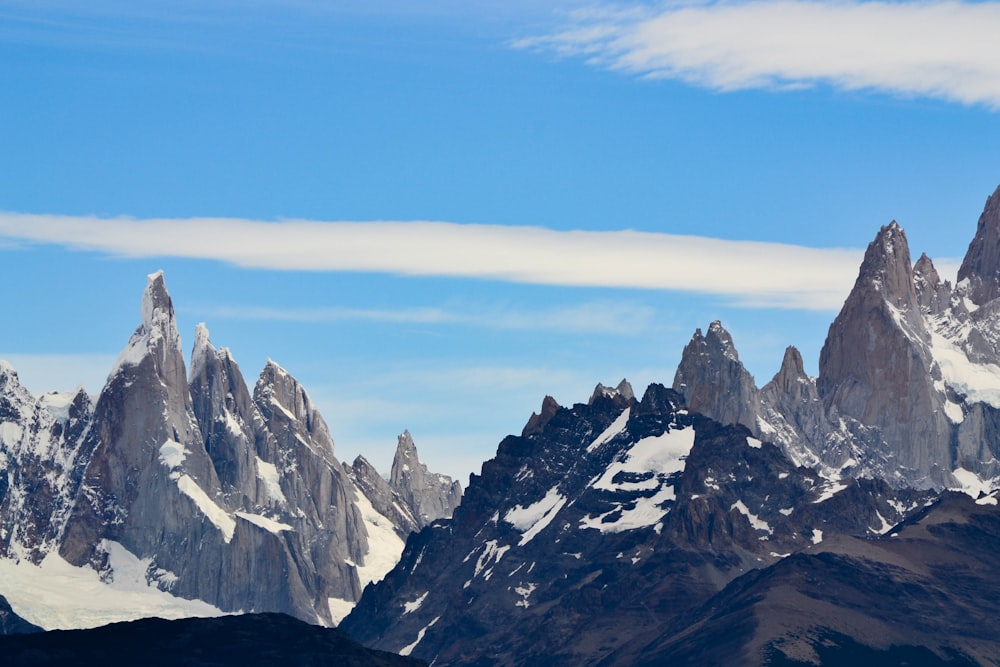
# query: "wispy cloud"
[[600, 317], [748, 272], [946, 50]]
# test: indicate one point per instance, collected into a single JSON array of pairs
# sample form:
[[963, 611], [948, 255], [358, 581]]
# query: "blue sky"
[[435, 213]]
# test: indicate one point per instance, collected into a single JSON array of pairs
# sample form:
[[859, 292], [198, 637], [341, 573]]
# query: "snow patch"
[[491, 553], [830, 489], [979, 382], [172, 454], [754, 442], [339, 609], [755, 521], [617, 426], [58, 596], [218, 516], [532, 519], [525, 592], [661, 455], [384, 545], [406, 650], [410, 607], [268, 474], [817, 536], [971, 484]]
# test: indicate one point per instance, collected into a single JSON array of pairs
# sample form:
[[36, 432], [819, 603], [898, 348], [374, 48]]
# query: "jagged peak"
[[157, 307], [981, 264], [202, 351], [792, 370], [886, 267], [624, 390], [724, 341], [537, 421], [925, 269], [7, 370], [404, 444], [158, 330]]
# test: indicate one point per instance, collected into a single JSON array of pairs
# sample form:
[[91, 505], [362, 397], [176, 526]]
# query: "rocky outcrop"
[[383, 497], [980, 268], [588, 539], [231, 497], [714, 382], [428, 495], [43, 453], [876, 365]]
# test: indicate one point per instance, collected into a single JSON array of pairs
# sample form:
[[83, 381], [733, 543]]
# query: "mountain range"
[[807, 521], [186, 482], [844, 518]]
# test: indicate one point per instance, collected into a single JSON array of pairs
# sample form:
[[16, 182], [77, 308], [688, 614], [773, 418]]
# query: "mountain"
[[719, 522], [591, 533], [926, 593], [909, 377], [237, 641], [192, 484]]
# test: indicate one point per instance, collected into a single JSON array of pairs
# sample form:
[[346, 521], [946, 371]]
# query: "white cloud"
[[749, 272], [945, 50], [602, 317]]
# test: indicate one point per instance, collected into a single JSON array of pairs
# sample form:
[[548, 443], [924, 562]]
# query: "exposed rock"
[[43, 453], [538, 420], [981, 264], [429, 496], [601, 531], [714, 382], [383, 497], [876, 366]]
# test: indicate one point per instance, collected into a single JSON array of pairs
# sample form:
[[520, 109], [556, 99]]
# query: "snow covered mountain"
[[600, 527], [189, 484], [628, 531], [909, 378]]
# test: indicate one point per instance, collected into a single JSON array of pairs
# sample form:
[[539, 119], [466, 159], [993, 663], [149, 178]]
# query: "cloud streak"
[[944, 50], [750, 273], [602, 317]]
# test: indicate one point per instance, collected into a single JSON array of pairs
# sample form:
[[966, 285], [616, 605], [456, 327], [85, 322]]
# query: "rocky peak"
[[279, 396], [383, 498], [429, 495], [623, 392], [886, 268], [156, 339], [933, 295], [876, 365], [714, 382], [537, 421], [792, 372], [981, 265]]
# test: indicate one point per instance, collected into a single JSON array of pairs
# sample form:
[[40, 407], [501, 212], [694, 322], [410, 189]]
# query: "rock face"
[[429, 496], [714, 382], [907, 388], [981, 265], [412, 497], [227, 496], [816, 607], [613, 522], [43, 454]]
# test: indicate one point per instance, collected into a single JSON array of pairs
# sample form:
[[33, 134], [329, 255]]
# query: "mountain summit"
[[192, 484]]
